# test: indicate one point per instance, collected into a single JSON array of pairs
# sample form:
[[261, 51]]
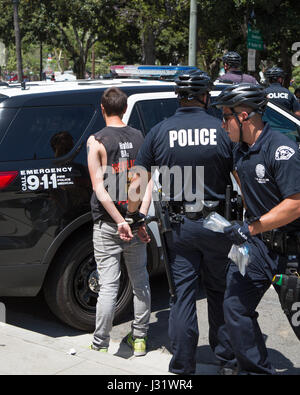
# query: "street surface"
[[33, 314]]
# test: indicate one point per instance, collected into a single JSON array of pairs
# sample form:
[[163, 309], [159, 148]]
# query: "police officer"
[[233, 74], [297, 94], [277, 93], [264, 160], [191, 140]]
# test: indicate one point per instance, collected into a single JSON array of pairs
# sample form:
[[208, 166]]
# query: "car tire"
[[71, 286]]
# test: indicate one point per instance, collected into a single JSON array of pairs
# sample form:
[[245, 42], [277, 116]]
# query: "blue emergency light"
[[150, 71]]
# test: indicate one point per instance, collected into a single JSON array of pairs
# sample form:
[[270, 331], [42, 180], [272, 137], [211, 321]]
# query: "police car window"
[[135, 120], [44, 132], [154, 111], [6, 116], [282, 124]]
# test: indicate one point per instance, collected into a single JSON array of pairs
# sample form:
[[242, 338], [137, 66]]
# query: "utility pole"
[[41, 61], [193, 34], [18, 40], [93, 62]]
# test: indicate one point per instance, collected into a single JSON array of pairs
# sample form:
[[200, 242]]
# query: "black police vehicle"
[[45, 190]]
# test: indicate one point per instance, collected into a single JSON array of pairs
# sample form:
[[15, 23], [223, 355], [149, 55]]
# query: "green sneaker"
[[138, 345], [92, 347]]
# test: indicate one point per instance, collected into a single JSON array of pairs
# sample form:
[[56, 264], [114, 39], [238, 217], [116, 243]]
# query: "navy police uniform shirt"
[[191, 137], [282, 96], [269, 172]]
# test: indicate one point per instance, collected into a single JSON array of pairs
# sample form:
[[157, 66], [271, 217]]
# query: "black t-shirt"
[[122, 145], [190, 139]]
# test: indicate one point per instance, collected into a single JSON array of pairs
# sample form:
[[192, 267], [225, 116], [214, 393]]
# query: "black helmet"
[[233, 59], [250, 95], [192, 84], [274, 73]]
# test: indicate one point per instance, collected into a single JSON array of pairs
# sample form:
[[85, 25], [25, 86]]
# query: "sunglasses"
[[230, 115]]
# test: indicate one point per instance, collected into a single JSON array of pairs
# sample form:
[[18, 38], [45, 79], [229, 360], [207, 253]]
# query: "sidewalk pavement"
[[24, 352], [42, 349]]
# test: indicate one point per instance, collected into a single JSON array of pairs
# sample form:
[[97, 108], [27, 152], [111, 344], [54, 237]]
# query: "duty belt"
[[180, 210], [282, 242]]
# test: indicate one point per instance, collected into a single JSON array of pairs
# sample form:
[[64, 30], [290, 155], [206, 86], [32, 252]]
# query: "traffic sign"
[[254, 40]]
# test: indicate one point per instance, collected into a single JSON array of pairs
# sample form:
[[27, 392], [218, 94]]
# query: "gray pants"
[[107, 250]]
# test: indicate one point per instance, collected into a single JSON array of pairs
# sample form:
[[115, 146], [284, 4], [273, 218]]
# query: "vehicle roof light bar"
[[149, 71]]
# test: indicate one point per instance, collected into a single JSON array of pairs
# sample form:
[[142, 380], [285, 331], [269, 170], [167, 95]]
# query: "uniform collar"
[[190, 109], [276, 83], [235, 72], [265, 134]]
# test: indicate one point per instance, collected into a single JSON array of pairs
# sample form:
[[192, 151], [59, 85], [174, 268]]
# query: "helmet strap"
[[205, 103], [240, 125], [252, 113]]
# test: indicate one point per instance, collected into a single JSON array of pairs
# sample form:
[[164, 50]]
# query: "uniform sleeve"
[[287, 169], [227, 148], [145, 156], [295, 104]]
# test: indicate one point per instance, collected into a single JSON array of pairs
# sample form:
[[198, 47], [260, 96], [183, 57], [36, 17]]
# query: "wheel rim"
[[86, 286]]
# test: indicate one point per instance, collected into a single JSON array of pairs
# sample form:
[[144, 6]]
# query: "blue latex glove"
[[237, 233]]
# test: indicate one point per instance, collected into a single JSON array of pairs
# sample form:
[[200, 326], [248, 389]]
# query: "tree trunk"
[[18, 41], [148, 47], [79, 68], [286, 62]]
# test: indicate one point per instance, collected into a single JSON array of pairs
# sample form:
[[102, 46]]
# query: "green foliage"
[[296, 75], [149, 31]]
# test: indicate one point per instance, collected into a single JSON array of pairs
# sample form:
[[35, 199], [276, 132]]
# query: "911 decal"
[[50, 178]]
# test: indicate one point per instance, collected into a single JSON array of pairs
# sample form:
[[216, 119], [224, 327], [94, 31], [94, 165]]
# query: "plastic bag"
[[215, 222], [238, 254]]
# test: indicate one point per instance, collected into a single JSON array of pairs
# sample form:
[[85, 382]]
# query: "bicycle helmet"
[[250, 95], [192, 84], [273, 73], [233, 59]]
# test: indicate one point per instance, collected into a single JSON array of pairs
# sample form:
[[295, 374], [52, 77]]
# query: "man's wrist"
[[122, 223]]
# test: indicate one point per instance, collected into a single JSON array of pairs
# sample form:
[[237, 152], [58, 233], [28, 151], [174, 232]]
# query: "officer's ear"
[[244, 115]]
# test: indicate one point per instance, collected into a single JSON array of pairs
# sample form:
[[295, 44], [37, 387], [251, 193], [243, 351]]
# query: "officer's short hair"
[[114, 101], [184, 102]]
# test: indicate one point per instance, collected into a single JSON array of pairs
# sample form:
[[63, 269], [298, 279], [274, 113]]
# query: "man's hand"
[[143, 234], [135, 220], [125, 232], [238, 234]]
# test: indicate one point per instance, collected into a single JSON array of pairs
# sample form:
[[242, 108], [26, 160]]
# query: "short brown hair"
[[114, 101]]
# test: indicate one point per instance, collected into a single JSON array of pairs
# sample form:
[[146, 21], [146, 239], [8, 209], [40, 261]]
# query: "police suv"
[[45, 189]]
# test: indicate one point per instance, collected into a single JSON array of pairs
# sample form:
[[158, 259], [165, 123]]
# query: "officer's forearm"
[[284, 213], [147, 199], [136, 191]]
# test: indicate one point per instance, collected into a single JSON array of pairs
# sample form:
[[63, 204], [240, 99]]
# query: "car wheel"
[[71, 286]]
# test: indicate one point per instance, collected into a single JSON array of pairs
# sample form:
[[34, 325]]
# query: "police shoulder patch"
[[284, 153]]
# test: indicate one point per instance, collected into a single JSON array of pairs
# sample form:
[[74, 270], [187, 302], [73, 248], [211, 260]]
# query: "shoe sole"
[[139, 353]]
